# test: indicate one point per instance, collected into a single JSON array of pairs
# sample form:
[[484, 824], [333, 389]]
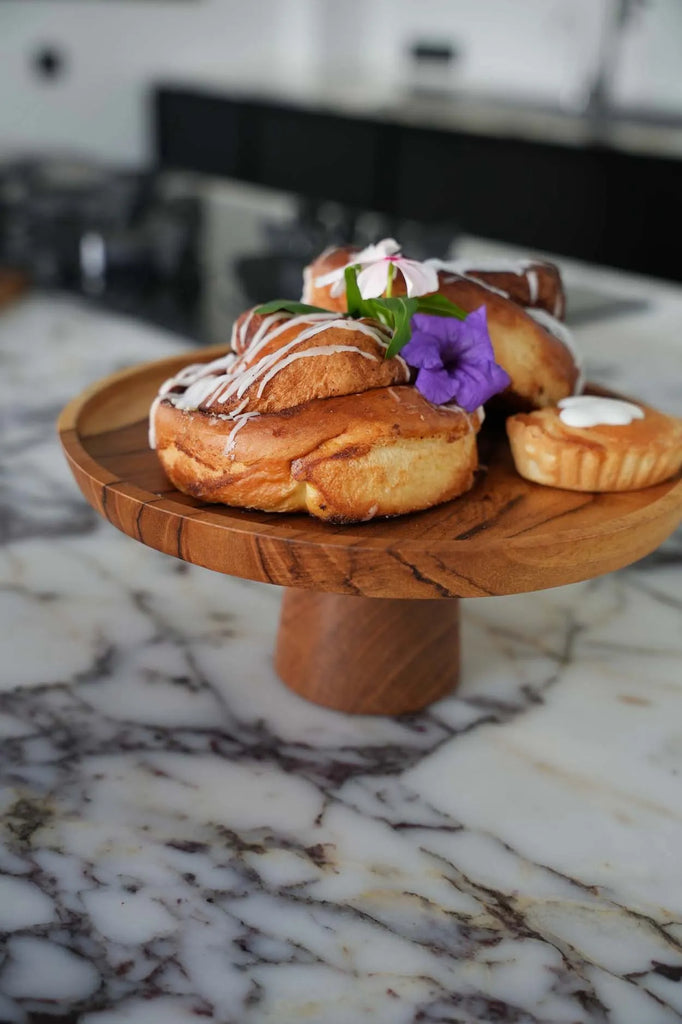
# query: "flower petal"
[[474, 341], [476, 383], [422, 350], [332, 277], [436, 385], [445, 328], [456, 359], [420, 279], [373, 279], [338, 287], [371, 253]]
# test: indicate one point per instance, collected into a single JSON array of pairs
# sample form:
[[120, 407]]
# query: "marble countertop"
[[182, 838]]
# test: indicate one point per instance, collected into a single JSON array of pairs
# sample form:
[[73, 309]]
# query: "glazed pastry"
[[535, 348], [318, 293], [307, 414], [533, 284], [530, 343], [591, 443]]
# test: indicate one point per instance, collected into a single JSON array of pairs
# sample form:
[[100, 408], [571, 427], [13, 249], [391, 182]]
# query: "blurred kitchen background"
[[181, 159]]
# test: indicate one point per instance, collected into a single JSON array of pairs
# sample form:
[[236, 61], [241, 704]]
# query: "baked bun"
[[309, 415], [606, 445], [533, 284], [521, 299], [325, 295], [534, 347]]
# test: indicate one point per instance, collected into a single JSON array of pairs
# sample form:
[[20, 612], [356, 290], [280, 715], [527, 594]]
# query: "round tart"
[[596, 444]]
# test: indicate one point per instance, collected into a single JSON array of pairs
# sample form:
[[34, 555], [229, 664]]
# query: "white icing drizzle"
[[238, 341], [561, 332], [489, 264], [319, 350], [241, 419], [593, 411], [263, 336], [478, 415], [533, 286], [242, 381], [209, 384], [307, 292], [187, 375], [279, 320], [468, 268], [456, 270]]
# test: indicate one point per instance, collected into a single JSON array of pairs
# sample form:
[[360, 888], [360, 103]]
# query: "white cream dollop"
[[593, 411]]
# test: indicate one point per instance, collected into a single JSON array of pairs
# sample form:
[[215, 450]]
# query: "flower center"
[[450, 361]]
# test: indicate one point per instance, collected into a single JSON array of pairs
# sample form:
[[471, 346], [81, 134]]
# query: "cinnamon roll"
[[307, 414]]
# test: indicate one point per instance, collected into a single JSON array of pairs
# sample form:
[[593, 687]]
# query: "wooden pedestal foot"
[[374, 656]]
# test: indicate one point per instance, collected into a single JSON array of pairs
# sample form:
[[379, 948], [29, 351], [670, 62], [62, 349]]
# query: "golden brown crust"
[[542, 368], [602, 458], [306, 359], [330, 259], [384, 452], [539, 286]]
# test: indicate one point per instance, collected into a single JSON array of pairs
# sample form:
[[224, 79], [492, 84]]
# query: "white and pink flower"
[[379, 264]]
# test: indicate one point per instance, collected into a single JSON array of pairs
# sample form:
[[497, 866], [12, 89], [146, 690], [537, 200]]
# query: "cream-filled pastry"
[[594, 443]]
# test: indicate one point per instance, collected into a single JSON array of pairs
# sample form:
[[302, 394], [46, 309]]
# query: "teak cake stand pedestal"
[[370, 622]]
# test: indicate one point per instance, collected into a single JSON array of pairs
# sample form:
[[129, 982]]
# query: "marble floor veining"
[[182, 838]]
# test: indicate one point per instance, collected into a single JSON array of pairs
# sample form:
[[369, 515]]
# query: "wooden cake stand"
[[370, 622]]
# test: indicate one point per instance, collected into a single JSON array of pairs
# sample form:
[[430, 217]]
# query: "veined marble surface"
[[182, 838]]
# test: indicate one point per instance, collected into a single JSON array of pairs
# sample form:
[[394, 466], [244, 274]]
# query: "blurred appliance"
[[256, 242], [287, 247], [118, 235]]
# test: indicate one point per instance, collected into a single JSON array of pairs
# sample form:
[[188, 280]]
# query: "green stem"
[[391, 275]]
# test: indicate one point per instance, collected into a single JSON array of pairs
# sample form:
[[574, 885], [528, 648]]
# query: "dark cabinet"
[[590, 202]]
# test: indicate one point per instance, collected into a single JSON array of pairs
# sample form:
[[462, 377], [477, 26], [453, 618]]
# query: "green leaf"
[[438, 305], [354, 300], [287, 306], [377, 310], [403, 310], [400, 303]]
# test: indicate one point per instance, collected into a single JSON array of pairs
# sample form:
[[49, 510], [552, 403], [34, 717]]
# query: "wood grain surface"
[[505, 536], [368, 655]]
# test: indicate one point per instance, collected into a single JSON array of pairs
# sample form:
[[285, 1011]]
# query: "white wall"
[[650, 70], [545, 50], [535, 48], [542, 49], [115, 48]]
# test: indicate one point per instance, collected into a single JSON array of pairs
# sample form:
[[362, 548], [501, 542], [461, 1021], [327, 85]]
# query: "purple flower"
[[455, 359]]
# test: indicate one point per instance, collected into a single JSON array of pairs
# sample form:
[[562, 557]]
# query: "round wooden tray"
[[391, 655]]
